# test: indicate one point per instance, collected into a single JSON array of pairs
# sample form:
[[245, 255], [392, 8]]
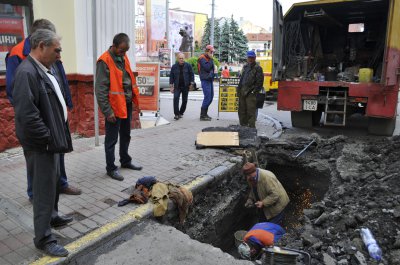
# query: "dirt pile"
[[364, 191]]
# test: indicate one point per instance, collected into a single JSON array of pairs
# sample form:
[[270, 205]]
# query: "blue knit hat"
[[251, 54]]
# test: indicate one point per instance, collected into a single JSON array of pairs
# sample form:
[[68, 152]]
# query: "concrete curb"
[[123, 223]]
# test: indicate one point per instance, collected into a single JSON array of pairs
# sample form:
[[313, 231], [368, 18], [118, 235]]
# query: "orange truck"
[[335, 58]]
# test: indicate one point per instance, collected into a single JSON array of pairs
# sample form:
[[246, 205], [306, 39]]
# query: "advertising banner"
[[228, 100], [164, 56], [12, 30], [140, 28], [148, 84]]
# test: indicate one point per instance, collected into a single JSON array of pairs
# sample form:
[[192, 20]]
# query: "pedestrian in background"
[[41, 123], [205, 65], [181, 80], [266, 193], [225, 72], [117, 95], [14, 58], [251, 83]]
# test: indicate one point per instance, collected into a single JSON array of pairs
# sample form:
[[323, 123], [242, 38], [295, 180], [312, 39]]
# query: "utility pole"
[[212, 23]]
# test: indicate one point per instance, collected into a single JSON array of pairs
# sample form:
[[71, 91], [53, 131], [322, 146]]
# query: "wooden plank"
[[218, 139]]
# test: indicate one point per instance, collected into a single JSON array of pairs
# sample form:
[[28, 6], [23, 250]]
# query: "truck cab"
[[334, 58]]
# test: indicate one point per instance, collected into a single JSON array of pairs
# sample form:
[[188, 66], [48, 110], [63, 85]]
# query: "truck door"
[[277, 41], [392, 55]]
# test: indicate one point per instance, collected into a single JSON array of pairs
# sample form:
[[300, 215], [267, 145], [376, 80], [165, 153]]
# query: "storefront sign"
[[148, 84], [228, 99]]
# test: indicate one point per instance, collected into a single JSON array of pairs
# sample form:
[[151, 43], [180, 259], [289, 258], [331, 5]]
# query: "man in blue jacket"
[[15, 57], [205, 65], [180, 80]]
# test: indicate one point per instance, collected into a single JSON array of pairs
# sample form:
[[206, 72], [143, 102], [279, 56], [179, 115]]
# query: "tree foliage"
[[230, 43]]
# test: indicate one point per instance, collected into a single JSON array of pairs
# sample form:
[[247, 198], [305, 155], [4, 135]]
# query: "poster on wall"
[[148, 84], [181, 23], [156, 27], [140, 28], [228, 100], [12, 29], [164, 56]]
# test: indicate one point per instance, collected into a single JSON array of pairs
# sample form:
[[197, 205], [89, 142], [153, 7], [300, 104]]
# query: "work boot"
[[207, 115], [203, 115]]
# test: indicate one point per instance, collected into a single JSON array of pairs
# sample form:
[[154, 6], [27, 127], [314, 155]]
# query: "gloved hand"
[[249, 204]]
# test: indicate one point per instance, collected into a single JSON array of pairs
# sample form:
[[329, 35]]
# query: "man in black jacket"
[[180, 80], [42, 129]]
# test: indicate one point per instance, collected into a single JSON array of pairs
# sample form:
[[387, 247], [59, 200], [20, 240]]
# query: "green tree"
[[217, 34], [205, 40], [233, 42], [238, 42], [225, 43], [242, 46]]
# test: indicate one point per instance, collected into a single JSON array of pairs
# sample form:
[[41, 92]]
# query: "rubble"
[[364, 191]]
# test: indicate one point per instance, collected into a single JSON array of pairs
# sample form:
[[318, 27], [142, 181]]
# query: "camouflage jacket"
[[251, 79]]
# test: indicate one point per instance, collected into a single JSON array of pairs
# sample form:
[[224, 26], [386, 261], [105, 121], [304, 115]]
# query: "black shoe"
[[53, 249], [180, 116], [60, 220], [176, 117], [115, 175], [132, 166], [205, 118]]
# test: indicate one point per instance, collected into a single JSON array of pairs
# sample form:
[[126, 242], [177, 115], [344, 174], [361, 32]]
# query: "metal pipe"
[[305, 148]]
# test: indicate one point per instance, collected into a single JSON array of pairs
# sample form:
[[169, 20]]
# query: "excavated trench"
[[219, 208]]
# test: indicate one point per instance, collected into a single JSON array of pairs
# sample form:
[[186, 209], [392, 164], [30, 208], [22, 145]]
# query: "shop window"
[[15, 17]]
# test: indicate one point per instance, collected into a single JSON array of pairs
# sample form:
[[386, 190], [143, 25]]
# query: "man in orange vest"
[[117, 95], [14, 58]]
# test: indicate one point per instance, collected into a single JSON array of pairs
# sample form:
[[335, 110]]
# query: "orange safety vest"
[[116, 94], [18, 50], [265, 237]]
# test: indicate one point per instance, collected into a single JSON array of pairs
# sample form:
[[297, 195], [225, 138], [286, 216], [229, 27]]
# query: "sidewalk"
[[167, 152]]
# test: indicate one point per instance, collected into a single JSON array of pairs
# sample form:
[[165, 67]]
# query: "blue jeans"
[[277, 219], [208, 92], [63, 182], [177, 94], [123, 128]]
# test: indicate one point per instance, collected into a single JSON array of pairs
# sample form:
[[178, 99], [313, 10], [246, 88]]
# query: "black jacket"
[[188, 75], [39, 117]]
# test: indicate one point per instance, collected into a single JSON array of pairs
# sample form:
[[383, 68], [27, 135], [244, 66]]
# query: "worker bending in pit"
[[266, 194], [259, 236]]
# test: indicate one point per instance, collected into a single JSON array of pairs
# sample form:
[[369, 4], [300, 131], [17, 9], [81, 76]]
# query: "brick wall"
[[81, 117]]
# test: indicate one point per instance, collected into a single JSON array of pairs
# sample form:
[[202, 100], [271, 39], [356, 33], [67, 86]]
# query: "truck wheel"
[[302, 119], [381, 126]]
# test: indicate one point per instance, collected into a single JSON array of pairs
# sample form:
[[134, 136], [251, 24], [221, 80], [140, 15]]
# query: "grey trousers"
[[45, 169]]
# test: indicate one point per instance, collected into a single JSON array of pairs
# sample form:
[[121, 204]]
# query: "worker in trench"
[[267, 194], [259, 236]]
